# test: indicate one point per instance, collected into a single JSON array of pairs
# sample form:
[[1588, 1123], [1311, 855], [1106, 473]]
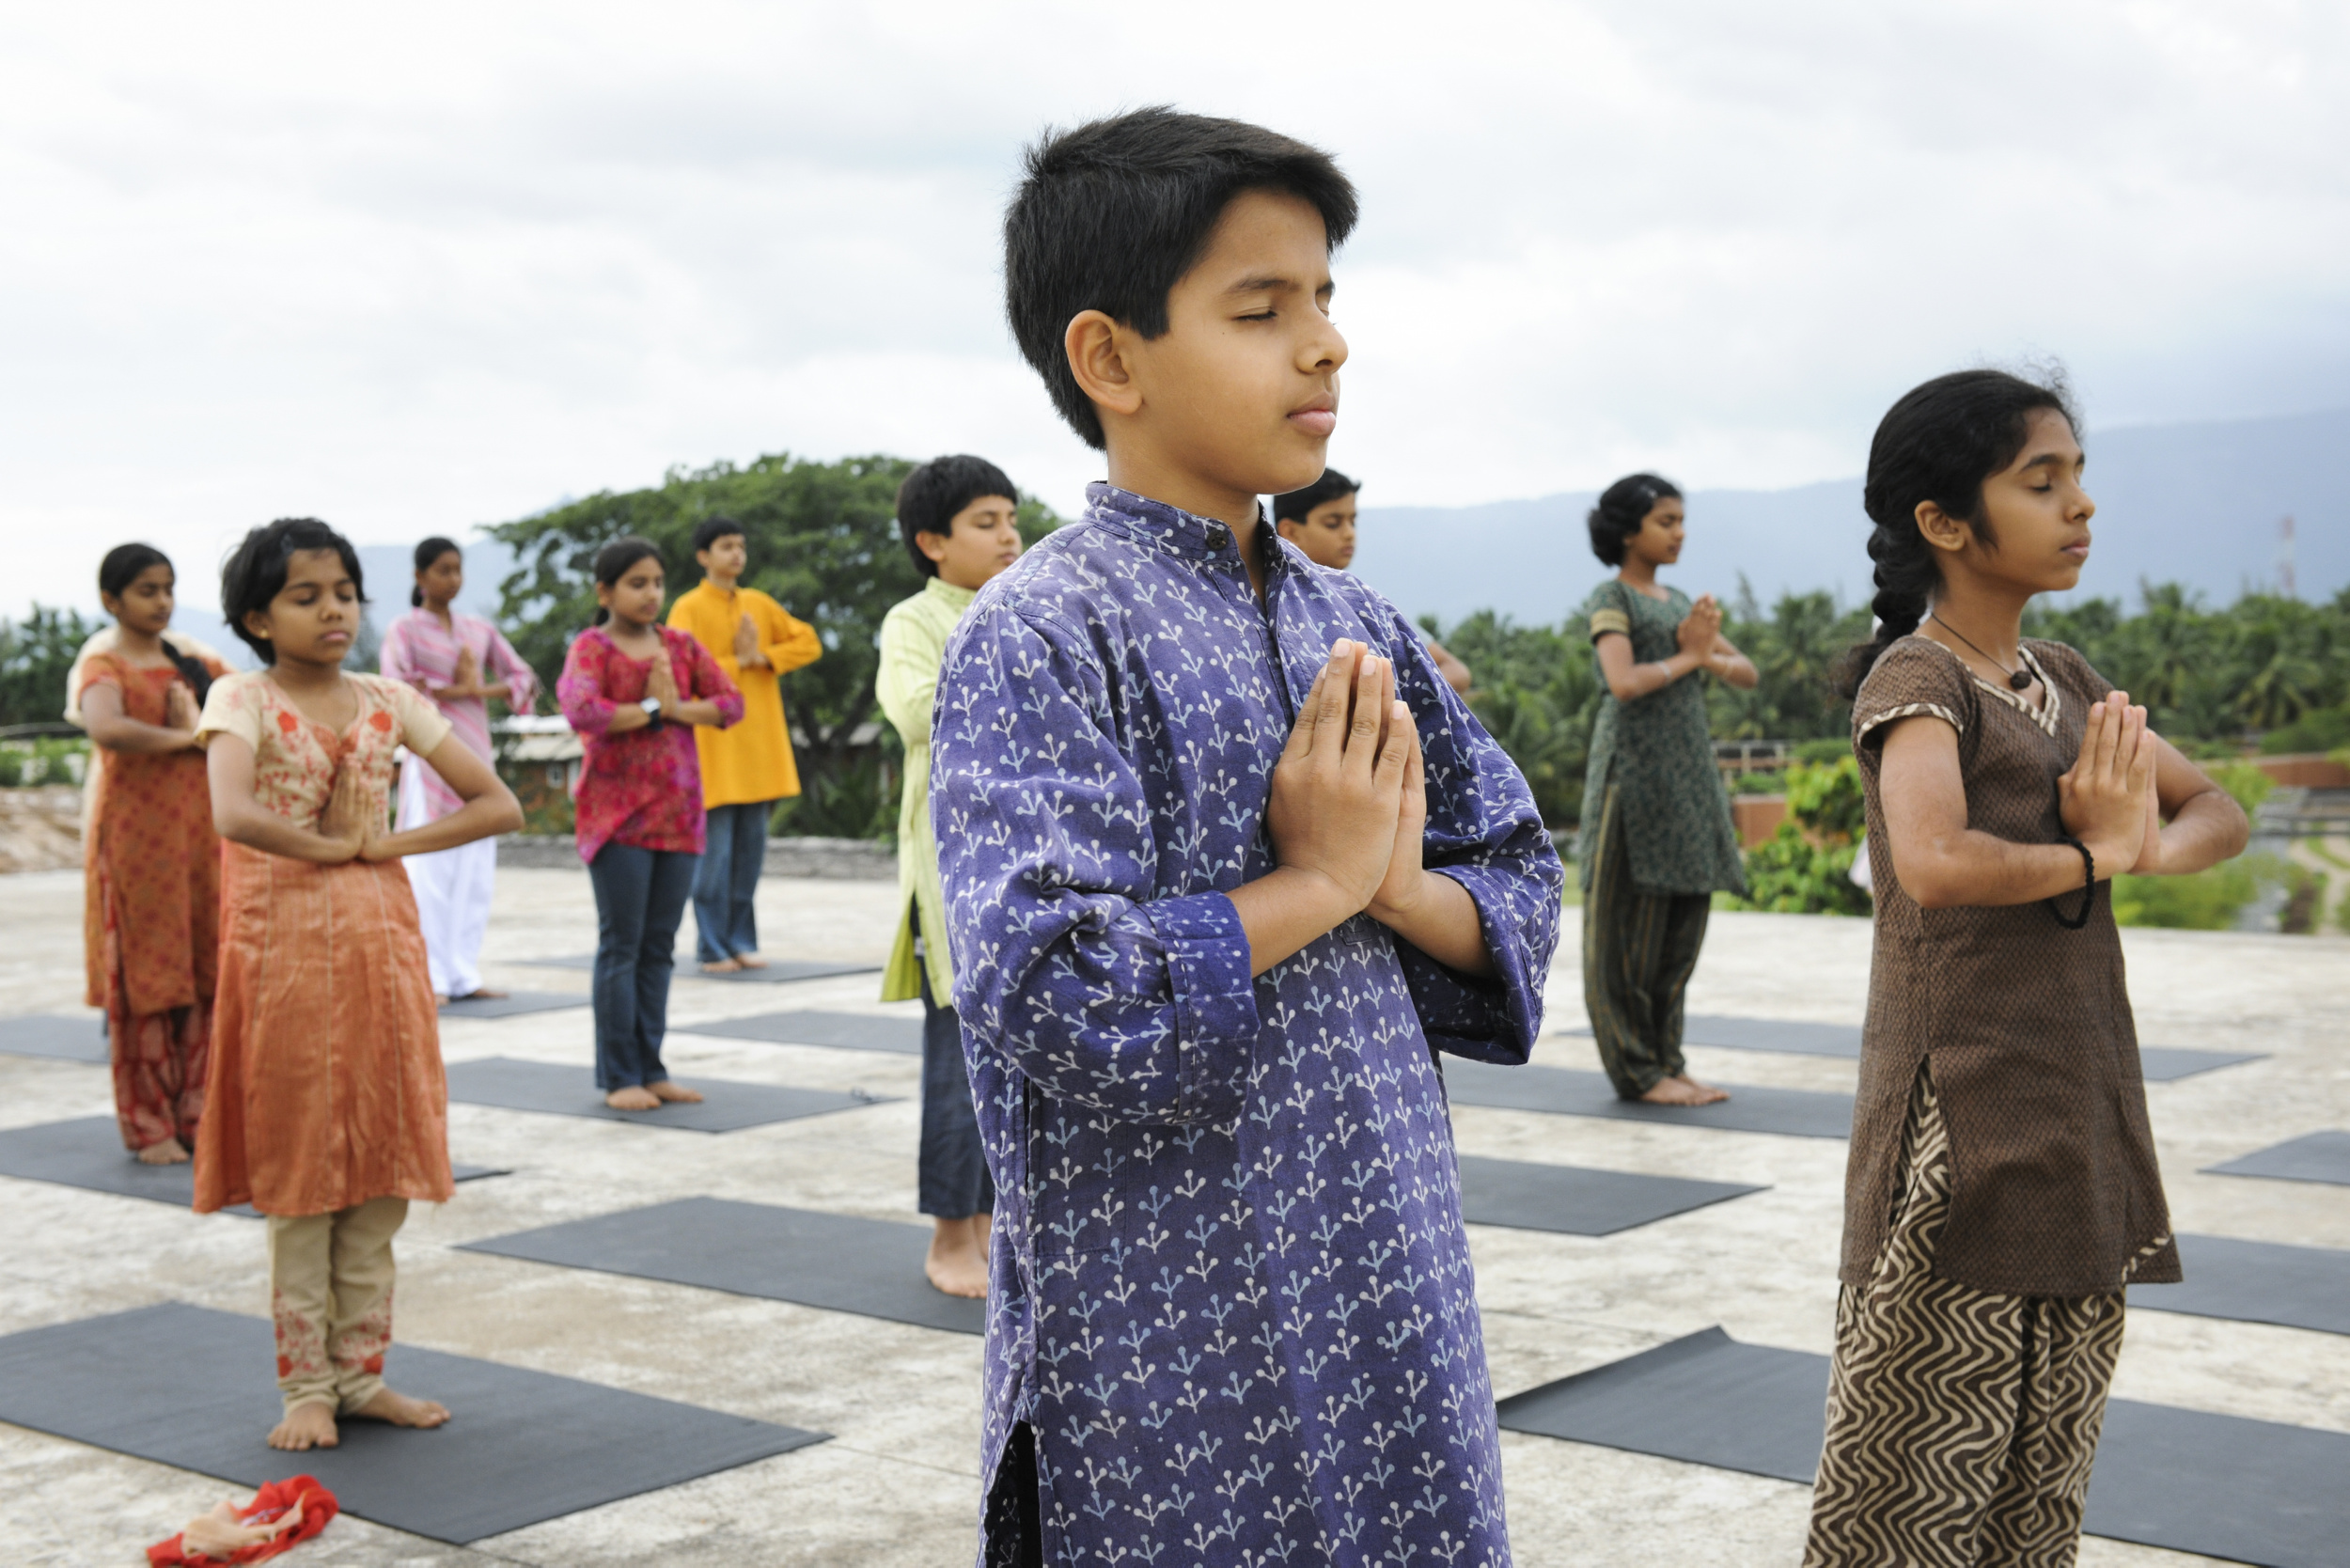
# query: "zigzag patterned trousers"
[[1961, 1423]]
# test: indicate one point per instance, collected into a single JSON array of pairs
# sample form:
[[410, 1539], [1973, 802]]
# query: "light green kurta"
[[912, 645]]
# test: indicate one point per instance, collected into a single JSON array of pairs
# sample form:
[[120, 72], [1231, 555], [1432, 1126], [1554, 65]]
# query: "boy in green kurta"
[[1657, 840], [958, 516]]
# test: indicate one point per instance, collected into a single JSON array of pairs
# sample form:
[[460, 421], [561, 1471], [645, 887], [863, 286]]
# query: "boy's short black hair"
[[930, 497], [255, 572], [710, 530], [1293, 505], [1113, 213]]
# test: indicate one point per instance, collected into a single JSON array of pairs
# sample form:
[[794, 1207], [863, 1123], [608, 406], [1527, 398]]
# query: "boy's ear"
[[931, 545], [1096, 345], [1288, 527]]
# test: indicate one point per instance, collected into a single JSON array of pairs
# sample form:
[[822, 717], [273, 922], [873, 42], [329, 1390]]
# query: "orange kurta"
[[326, 1088], [152, 911], [750, 760]]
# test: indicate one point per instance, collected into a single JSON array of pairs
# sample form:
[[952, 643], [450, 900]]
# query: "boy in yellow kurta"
[[957, 515], [747, 767]]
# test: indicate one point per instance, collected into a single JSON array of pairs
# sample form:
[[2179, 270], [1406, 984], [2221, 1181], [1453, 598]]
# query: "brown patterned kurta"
[[2026, 1026]]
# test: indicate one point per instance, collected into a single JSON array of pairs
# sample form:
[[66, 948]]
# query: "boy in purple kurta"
[[1226, 864]]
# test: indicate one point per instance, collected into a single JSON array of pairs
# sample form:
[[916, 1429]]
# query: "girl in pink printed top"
[[634, 689], [460, 662]]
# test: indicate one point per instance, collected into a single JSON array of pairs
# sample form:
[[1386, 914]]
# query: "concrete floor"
[[899, 1485]]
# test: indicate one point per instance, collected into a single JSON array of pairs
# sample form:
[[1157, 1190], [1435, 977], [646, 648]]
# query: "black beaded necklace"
[[2017, 680]]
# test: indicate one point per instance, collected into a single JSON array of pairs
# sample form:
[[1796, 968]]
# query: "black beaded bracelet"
[[2089, 887]]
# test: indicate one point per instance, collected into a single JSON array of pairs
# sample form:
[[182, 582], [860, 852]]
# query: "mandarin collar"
[[1171, 528], [956, 598]]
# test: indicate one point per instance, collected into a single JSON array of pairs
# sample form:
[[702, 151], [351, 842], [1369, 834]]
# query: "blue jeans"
[[640, 896], [951, 1173], [726, 925]]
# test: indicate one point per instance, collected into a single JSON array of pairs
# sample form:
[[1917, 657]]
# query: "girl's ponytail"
[[1937, 444]]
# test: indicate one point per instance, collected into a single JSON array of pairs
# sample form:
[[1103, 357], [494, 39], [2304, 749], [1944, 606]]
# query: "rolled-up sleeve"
[[1068, 959], [1484, 833]]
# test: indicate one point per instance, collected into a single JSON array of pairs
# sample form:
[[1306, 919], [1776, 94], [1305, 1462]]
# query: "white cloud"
[[416, 270]]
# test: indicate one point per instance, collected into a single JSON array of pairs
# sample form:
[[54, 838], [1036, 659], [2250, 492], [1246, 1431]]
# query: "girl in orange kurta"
[[327, 1110], [151, 925]]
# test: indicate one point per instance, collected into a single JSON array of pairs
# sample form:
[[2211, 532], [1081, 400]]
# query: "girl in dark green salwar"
[[1657, 840]]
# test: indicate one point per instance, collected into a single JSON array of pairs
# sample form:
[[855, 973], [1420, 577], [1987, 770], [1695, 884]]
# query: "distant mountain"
[[2194, 503]]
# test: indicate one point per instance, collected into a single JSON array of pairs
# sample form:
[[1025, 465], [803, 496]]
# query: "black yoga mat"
[[1567, 1091], [1577, 1202], [514, 1002], [778, 971], [2159, 1063], [2255, 1492], [511, 1084], [2162, 1064], [2250, 1281], [845, 1264], [192, 1387], [88, 1153], [2317, 1157], [856, 1031], [50, 1034]]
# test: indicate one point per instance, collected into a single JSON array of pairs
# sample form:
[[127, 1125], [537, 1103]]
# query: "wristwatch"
[[652, 712]]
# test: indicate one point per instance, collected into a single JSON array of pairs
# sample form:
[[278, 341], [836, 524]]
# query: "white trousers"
[[453, 888]]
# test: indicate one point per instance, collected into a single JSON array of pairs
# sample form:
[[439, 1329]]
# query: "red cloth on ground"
[[270, 1502]]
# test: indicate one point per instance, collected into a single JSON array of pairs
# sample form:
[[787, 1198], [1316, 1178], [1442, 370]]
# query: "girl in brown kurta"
[[328, 1109], [151, 924], [2002, 1188]]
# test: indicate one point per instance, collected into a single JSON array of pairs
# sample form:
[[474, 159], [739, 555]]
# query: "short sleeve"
[[234, 708], [1607, 610], [1913, 679], [101, 671], [421, 726]]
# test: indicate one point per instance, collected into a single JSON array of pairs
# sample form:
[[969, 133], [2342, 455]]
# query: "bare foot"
[[308, 1425], [675, 1094], [749, 961], [956, 1263], [1682, 1091], [481, 994], [170, 1151], [724, 967], [400, 1410], [633, 1098]]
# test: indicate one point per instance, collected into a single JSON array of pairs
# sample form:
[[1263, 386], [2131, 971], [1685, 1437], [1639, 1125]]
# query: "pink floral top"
[[296, 758], [421, 652], [644, 787]]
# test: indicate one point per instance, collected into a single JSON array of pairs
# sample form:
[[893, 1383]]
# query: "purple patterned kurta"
[[1230, 1288]]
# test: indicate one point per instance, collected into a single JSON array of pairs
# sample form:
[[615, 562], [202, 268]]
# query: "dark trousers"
[[725, 921], [1638, 952], [640, 898], [952, 1175]]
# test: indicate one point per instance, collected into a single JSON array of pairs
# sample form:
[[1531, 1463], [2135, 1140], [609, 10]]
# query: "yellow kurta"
[[913, 646], [750, 760]]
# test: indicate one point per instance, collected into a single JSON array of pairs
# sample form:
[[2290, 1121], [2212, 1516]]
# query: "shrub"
[[2207, 900], [1805, 867]]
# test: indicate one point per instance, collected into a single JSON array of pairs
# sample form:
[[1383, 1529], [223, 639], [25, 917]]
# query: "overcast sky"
[[416, 268]]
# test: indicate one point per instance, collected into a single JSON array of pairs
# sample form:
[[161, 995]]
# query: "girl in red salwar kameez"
[[327, 1108], [151, 920]]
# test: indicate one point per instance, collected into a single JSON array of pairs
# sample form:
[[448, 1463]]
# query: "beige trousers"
[[330, 1282]]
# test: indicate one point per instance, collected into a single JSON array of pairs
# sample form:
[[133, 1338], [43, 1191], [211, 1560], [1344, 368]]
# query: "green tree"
[[1805, 867], [823, 541], [36, 653], [1537, 693], [1795, 649]]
